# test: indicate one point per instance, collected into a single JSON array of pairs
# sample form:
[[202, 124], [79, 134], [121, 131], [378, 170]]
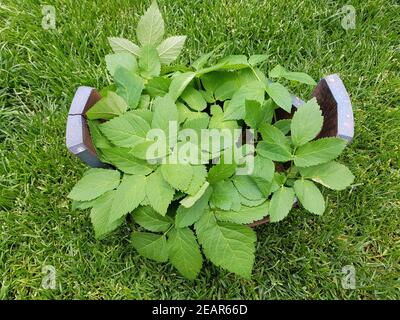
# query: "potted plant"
[[197, 155]]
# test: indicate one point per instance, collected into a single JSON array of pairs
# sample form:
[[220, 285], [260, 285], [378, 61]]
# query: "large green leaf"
[[280, 95], [281, 72], [217, 119], [94, 183], [306, 123], [221, 171], [245, 215], [148, 218], [100, 215], [121, 60], [247, 187], [170, 48], [275, 145], [225, 196], [332, 175], [319, 151], [255, 113], [184, 252], [126, 162], [150, 245], [194, 99], [309, 196], [127, 197], [159, 192], [129, 86], [187, 216], [281, 203], [126, 130], [264, 168], [108, 107], [165, 111], [251, 91], [177, 175], [227, 245], [149, 62], [179, 84], [158, 86], [150, 29], [121, 45]]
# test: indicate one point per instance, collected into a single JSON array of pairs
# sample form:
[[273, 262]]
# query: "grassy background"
[[303, 256]]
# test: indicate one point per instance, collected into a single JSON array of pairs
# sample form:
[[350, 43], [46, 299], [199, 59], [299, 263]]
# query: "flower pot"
[[330, 93]]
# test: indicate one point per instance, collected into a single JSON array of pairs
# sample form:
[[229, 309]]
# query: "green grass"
[[300, 258]]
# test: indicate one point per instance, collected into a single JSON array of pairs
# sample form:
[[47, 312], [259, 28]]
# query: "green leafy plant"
[[179, 209]]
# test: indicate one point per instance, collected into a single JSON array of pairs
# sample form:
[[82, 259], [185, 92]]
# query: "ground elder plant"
[[195, 153]]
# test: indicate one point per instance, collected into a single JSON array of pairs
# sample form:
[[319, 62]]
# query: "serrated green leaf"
[[332, 175], [245, 215], [121, 45], [281, 203], [149, 62], [309, 196], [170, 48], [306, 123], [124, 60], [207, 96], [283, 125], [158, 87], [250, 91], [126, 130], [194, 99], [108, 107], [225, 196], [264, 168], [129, 86], [151, 220], [165, 111], [233, 62], [150, 29], [150, 245], [221, 171], [94, 183], [184, 252], [281, 72], [197, 122], [177, 175], [100, 215], [319, 151], [247, 187], [255, 113], [151, 151], [275, 145], [186, 216], [127, 197], [144, 114], [144, 103], [126, 162], [217, 119], [179, 84], [159, 192], [227, 245], [251, 203], [280, 95], [264, 186]]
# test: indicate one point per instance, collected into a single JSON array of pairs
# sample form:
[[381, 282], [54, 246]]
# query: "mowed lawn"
[[299, 258]]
